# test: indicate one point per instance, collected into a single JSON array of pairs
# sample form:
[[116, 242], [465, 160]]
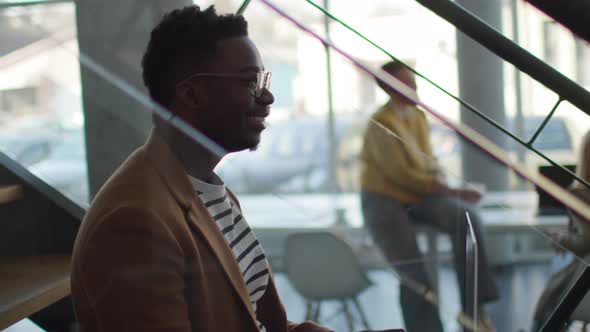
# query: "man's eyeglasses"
[[262, 79]]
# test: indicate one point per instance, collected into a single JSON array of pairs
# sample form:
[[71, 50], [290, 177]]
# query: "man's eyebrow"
[[251, 69]]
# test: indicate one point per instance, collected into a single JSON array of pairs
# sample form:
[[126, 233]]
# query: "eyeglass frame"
[[262, 79]]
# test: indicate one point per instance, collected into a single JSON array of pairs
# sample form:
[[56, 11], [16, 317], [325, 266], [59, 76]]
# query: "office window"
[[550, 43], [582, 62], [18, 100]]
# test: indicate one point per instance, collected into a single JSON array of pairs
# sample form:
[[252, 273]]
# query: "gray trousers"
[[392, 226]]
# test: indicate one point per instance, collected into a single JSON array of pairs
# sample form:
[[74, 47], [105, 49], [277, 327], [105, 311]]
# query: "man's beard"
[[240, 145]]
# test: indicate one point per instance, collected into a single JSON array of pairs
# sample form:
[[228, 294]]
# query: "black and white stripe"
[[240, 238]]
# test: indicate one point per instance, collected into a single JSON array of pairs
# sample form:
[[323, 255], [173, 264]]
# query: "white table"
[[508, 218], [509, 210]]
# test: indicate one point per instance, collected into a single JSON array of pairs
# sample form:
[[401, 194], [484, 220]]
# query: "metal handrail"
[[503, 47]]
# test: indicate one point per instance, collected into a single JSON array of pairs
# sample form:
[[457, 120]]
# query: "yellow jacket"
[[396, 158]]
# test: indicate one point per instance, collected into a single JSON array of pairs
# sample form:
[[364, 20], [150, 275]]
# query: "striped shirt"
[[242, 241]]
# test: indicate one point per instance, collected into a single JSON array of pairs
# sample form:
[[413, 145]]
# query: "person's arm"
[[469, 195], [390, 156], [579, 241], [306, 327], [132, 272]]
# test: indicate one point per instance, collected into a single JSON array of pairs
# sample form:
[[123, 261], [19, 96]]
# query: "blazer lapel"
[[198, 218]]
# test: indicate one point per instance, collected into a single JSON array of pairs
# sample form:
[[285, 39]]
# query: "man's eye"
[[251, 82]]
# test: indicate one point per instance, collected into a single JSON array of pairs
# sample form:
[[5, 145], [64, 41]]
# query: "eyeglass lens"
[[263, 82]]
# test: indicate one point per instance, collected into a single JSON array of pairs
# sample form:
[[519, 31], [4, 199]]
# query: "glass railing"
[[417, 249]]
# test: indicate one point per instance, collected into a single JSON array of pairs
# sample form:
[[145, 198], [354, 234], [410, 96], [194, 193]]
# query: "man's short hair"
[[182, 40], [392, 67]]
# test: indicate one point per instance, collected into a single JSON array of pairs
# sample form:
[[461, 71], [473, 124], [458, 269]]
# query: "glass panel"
[[471, 301], [388, 183], [514, 232]]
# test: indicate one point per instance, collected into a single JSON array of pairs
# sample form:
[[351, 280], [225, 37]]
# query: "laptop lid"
[[547, 204]]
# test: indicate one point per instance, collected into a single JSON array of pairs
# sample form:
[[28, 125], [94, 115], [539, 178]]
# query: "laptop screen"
[[548, 204]]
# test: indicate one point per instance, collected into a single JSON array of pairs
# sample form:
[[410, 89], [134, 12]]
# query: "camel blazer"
[[148, 257]]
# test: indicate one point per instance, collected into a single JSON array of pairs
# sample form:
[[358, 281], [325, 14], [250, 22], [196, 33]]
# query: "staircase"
[[38, 227]]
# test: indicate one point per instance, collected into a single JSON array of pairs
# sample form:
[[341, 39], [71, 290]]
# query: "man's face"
[[229, 113], [409, 79]]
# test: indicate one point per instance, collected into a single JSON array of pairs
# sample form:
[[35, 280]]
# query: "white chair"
[[322, 267]]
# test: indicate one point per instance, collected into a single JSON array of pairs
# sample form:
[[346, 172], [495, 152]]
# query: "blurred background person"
[[401, 184]]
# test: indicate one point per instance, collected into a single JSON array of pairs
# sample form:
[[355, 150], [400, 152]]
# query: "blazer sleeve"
[[132, 273], [306, 327]]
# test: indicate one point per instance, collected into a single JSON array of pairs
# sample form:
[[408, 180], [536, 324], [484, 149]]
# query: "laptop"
[[547, 204]]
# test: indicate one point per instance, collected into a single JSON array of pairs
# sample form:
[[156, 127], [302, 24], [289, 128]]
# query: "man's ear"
[[189, 96]]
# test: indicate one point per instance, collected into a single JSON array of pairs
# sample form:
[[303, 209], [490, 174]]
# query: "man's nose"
[[266, 97]]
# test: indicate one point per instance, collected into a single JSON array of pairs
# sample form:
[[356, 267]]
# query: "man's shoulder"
[[383, 118], [420, 111], [130, 180], [134, 185], [382, 112], [378, 118]]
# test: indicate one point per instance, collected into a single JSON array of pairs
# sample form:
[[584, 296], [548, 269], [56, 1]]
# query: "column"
[[113, 35], [481, 84]]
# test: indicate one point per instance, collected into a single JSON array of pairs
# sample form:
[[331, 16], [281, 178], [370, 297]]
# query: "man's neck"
[[398, 103], [198, 161], [401, 109]]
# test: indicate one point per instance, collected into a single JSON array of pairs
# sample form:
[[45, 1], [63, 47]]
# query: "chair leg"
[[364, 320], [432, 254], [348, 314], [308, 309], [316, 314]]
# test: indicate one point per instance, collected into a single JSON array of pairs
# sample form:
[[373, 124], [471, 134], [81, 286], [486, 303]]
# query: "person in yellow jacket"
[[401, 185]]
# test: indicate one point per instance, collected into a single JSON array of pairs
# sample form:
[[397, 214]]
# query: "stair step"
[[29, 284]]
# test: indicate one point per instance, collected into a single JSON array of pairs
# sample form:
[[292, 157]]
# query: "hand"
[[557, 238], [469, 195], [441, 187]]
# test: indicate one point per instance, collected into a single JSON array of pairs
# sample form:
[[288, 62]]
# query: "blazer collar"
[[170, 169], [176, 179]]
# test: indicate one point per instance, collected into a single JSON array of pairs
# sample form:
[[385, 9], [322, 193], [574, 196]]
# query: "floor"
[[520, 286]]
